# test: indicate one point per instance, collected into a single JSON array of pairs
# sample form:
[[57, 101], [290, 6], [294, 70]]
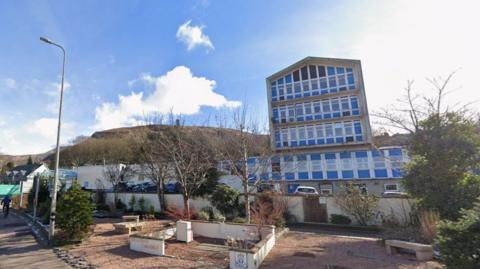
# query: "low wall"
[[152, 199], [225, 230], [252, 258]]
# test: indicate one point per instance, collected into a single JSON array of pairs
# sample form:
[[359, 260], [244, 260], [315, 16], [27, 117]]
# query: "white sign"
[[241, 260], [322, 200]]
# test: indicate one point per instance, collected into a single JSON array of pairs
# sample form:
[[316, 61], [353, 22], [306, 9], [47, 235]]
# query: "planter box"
[[151, 243]]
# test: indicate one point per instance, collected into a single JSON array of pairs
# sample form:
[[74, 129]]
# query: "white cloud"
[[53, 92], [193, 36], [10, 83], [178, 91]]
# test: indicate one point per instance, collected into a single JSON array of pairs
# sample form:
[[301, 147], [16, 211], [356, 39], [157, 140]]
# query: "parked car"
[[394, 194], [306, 190], [143, 187]]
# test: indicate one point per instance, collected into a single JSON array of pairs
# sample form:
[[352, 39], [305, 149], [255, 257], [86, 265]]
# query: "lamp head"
[[46, 40]]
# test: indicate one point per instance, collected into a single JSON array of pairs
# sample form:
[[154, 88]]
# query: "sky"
[[127, 59]]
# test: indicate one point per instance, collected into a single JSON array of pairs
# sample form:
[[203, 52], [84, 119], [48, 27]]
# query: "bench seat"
[[126, 227], [423, 252]]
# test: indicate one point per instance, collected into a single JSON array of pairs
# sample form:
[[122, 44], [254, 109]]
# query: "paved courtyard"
[[19, 249], [310, 250]]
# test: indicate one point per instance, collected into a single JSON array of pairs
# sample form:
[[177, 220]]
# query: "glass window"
[[350, 79], [341, 80], [314, 84], [335, 104], [288, 78], [296, 75], [319, 130], [316, 108], [325, 106], [345, 103], [391, 187], [299, 110], [347, 164], [331, 161], [302, 163], [331, 70], [289, 89], [301, 133], [338, 129], [326, 189], [298, 88], [291, 113], [310, 132], [285, 137], [306, 86], [283, 114], [328, 130], [293, 133], [316, 162], [348, 128], [378, 159], [323, 83], [280, 81], [362, 163], [304, 71], [288, 164], [340, 70], [308, 109], [354, 102], [313, 71], [321, 71], [332, 82]]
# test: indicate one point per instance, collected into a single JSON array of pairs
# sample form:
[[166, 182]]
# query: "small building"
[[24, 175]]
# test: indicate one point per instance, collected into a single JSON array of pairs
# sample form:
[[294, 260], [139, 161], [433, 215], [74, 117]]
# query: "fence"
[[303, 208]]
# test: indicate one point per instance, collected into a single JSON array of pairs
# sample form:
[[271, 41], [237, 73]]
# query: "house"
[[24, 175]]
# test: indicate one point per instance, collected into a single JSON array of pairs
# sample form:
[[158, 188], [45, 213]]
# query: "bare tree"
[[246, 151], [117, 174], [190, 155]]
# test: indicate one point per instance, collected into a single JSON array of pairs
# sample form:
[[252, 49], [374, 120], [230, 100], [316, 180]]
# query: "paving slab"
[[19, 249]]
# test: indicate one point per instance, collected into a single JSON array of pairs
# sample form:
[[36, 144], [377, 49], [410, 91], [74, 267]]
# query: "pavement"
[[19, 249]]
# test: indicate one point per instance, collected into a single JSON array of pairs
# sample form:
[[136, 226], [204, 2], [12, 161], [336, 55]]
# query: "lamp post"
[[57, 156]]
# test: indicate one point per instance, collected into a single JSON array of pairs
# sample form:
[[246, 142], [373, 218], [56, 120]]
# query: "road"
[[19, 249]]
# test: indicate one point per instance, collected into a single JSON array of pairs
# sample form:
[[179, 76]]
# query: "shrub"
[[43, 211], [218, 217], [268, 209], [151, 210], [132, 202], [141, 205], [239, 220], [178, 213], [209, 210], [120, 205], [225, 199], [459, 241], [74, 213], [340, 219], [102, 207], [203, 215], [357, 204]]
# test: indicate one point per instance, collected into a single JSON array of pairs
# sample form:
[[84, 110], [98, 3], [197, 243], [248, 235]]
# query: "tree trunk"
[[246, 201], [186, 207], [161, 195]]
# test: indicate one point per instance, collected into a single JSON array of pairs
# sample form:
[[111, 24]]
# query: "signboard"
[[241, 259], [322, 200]]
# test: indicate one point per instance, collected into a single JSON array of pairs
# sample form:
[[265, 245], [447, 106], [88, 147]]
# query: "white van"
[[306, 190]]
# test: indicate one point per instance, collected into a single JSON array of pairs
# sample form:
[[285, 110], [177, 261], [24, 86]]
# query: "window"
[[346, 158], [306, 88], [378, 160], [296, 75], [298, 89], [308, 111], [288, 167], [361, 160], [330, 70], [276, 169], [323, 85], [336, 108], [310, 132], [326, 109], [283, 114], [291, 113], [391, 187], [316, 162], [301, 135], [313, 71], [345, 106], [328, 130], [299, 112], [320, 134], [321, 71], [285, 137], [331, 161], [288, 78], [332, 83], [326, 189], [293, 136], [338, 129], [302, 166], [304, 71], [317, 109], [281, 93]]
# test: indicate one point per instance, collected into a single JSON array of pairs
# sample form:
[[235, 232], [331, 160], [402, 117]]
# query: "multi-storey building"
[[320, 130]]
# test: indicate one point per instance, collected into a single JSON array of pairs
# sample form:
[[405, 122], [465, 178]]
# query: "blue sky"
[[130, 58]]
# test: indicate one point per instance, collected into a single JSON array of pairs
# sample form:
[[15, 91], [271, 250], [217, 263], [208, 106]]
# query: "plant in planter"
[[132, 202], [141, 205], [340, 219], [357, 204]]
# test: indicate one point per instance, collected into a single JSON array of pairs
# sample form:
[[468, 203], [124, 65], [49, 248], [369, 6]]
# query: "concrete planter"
[[151, 243]]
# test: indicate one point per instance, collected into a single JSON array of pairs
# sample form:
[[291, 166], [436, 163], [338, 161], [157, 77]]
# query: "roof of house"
[[28, 168]]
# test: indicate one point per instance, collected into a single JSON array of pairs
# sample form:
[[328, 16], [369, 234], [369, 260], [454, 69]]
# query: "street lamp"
[[57, 157]]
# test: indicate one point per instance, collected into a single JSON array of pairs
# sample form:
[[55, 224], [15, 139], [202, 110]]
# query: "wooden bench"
[[135, 218], [126, 227], [422, 252]]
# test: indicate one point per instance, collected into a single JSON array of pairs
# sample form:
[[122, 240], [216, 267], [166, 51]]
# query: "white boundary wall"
[[399, 207]]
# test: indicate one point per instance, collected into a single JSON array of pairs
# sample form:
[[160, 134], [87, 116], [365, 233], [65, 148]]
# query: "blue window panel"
[[293, 144], [330, 141], [276, 176], [350, 78], [317, 175], [354, 103], [290, 176], [274, 99], [330, 70], [347, 174], [298, 95], [333, 90], [252, 177], [358, 127], [327, 116], [339, 140], [336, 115], [251, 161], [288, 78], [274, 83], [351, 87], [291, 188], [355, 112], [299, 118], [340, 70], [287, 158], [318, 117], [395, 152], [274, 93], [377, 153], [306, 94], [324, 91], [311, 142], [397, 172], [289, 97], [330, 156], [315, 93], [303, 143], [315, 157], [320, 141], [381, 173], [309, 118], [363, 173], [280, 81], [278, 145], [301, 157], [361, 154], [345, 155], [359, 138], [349, 70], [303, 175], [332, 174], [264, 176]]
